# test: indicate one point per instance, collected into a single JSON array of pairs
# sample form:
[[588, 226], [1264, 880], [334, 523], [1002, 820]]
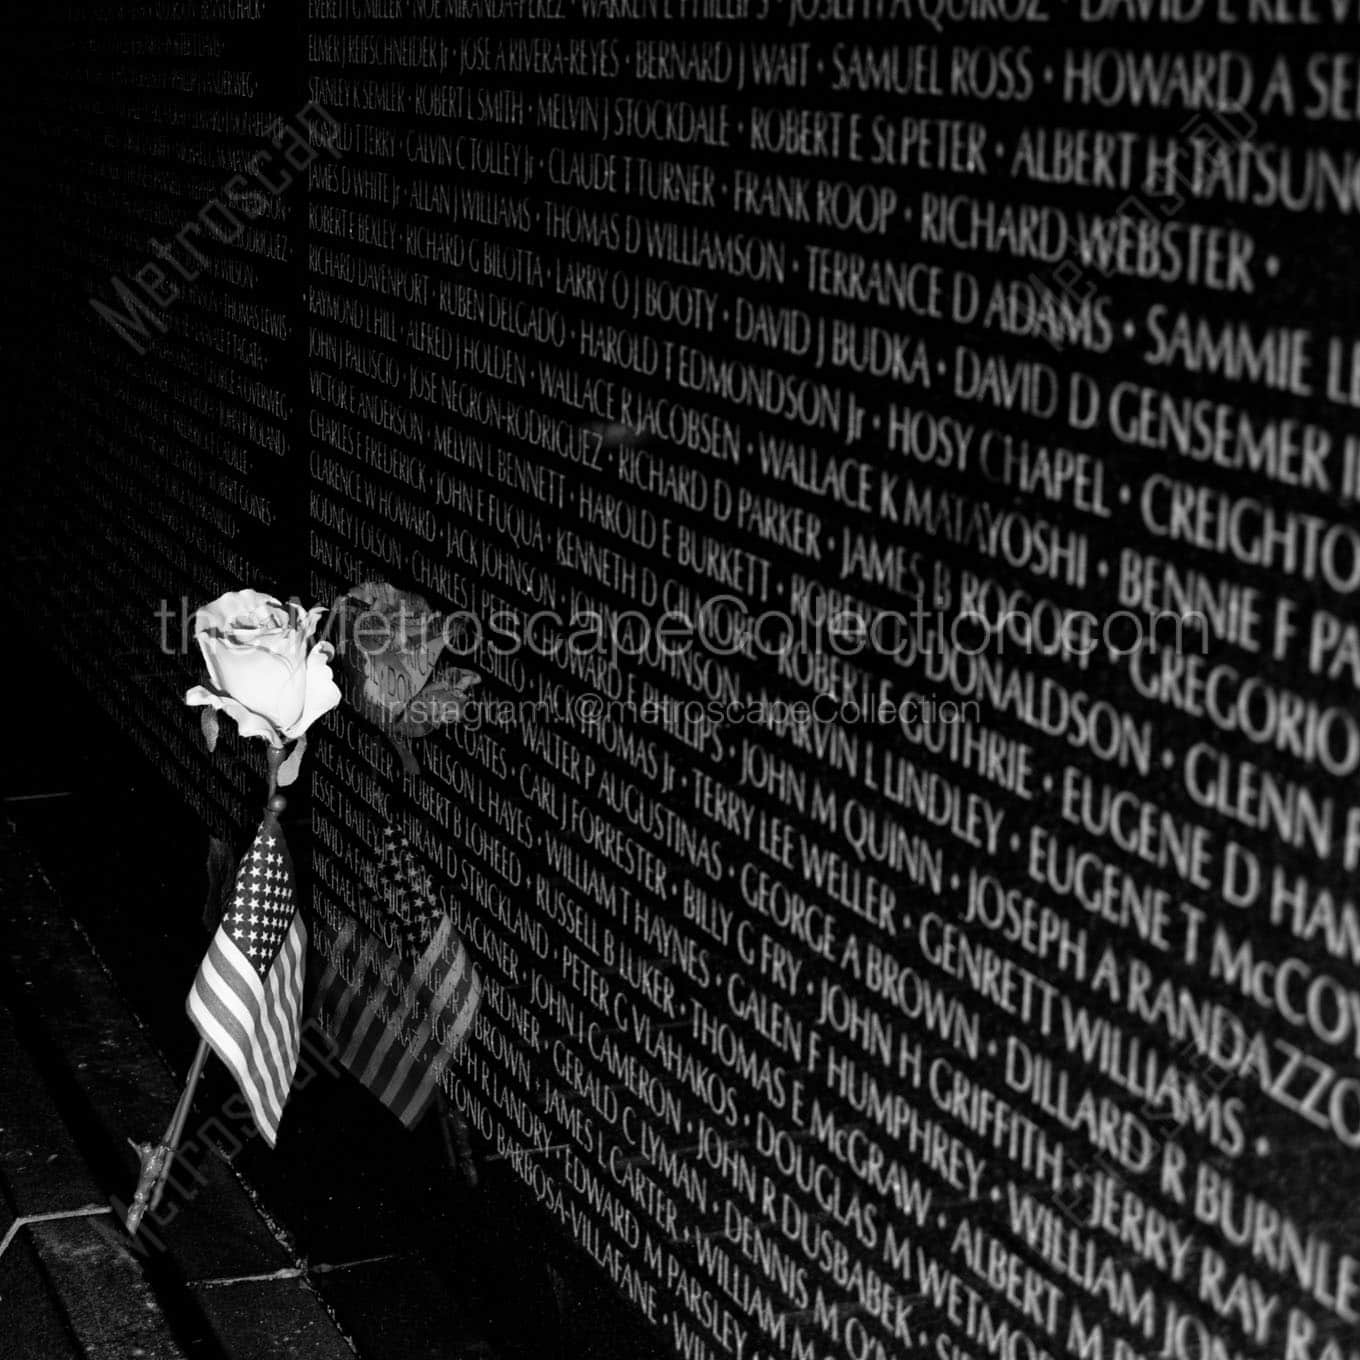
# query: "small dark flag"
[[247, 997], [399, 1010]]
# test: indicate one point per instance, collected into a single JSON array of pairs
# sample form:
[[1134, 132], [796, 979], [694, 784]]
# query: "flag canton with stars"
[[263, 904], [247, 995], [409, 895]]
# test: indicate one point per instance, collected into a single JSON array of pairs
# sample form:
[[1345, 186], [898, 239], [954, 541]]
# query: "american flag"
[[398, 1014], [247, 997]]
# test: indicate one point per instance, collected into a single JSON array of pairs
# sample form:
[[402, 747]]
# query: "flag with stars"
[[399, 1008], [247, 998]]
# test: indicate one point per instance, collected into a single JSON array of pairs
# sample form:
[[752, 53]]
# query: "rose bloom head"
[[264, 671]]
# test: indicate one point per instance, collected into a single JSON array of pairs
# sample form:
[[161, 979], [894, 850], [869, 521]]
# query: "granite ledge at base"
[[84, 1078]]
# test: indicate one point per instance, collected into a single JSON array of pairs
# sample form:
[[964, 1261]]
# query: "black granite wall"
[[943, 939]]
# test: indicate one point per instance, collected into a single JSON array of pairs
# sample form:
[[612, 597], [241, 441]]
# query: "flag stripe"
[[286, 991], [387, 1082], [398, 1011], [334, 994], [229, 1042], [365, 1028], [367, 1016], [403, 1075], [263, 1039], [332, 984], [246, 999], [425, 1088], [227, 1047], [385, 1037], [224, 989], [411, 996], [269, 1026], [452, 985]]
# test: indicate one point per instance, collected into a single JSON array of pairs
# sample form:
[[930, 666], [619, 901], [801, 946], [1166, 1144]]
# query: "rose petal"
[[247, 723], [265, 619], [256, 653], [286, 641], [207, 645], [234, 604], [271, 684], [322, 692]]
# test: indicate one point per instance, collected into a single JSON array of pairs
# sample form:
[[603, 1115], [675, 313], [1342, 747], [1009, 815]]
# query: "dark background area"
[[414, 1263]]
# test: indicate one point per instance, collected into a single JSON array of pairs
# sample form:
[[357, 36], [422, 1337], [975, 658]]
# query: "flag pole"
[[156, 1158], [177, 1122]]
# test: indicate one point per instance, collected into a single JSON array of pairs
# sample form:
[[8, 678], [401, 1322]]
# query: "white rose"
[[263, 669]]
